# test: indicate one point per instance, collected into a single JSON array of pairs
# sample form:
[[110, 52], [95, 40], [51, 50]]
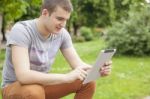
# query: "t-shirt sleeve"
[[66, 40], [19, 36]]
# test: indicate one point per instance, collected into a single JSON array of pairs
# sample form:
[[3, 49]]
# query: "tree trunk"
[[1, 18], [75, 28], [112, 11], [69, 26], [3, 28]]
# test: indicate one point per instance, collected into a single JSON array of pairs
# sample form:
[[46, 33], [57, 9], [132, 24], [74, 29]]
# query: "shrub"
[[131, 36], [86, 33], [78, 39], [98, 32]]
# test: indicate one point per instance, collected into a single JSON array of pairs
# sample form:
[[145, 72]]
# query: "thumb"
[[86, 67]]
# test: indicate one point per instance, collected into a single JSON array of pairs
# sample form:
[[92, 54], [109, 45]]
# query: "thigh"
[[60, 90], [18, 91]]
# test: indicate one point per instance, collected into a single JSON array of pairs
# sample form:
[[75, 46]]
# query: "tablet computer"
[[104, 56]]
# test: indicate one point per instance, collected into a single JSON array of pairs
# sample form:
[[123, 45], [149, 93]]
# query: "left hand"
[[106, 69]]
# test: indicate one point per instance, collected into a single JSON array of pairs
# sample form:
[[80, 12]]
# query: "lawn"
[[129, 79]]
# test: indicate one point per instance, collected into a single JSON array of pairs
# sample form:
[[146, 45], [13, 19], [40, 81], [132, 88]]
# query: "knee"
[[91, 86], [34, 92]]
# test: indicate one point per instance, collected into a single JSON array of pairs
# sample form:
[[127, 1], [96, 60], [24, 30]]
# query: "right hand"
[[78, 73]]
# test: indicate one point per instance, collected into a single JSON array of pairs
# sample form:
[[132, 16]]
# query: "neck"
[[42, 30]]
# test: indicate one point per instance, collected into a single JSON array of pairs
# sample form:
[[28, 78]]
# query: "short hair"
[[51, 5]]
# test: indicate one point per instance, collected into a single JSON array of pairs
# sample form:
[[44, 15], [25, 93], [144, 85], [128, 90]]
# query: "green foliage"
[[12, 9], [98, 32], [91, 13], [78, 39], [132, 36], [100, 13], [2, 54], [32, 10], [86, 33]]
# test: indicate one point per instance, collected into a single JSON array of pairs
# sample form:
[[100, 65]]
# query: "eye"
[[59, 18]]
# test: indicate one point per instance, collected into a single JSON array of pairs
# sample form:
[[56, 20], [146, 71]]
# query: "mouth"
[[58, 28]]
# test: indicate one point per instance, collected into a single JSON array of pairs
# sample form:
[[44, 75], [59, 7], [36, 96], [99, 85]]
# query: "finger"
[[86, 67], [108, 71], [83, 72], [105, 73], [105, 70], [108, 63], [107, 67], [81, 77], [101, 69]]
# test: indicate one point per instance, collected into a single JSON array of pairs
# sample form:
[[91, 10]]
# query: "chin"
[[57, 31]]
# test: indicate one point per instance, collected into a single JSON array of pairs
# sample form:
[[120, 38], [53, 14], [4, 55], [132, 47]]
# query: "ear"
[[45, 12]]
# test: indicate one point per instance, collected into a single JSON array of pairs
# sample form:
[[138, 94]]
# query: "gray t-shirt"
[[42, 51]]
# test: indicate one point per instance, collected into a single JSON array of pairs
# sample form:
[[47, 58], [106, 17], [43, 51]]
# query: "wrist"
[[69, 78], [66, 78]]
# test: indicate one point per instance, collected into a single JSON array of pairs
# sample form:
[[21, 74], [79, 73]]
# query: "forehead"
[[60, 12]]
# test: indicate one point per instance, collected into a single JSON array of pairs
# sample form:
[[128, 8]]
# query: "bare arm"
[[20, 59], [74, 60], [72, 57]]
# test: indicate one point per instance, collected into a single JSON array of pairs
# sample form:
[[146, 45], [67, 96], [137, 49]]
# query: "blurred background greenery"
[[95, 25]]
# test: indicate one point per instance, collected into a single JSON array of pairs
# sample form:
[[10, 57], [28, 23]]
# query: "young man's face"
[[55, 21]]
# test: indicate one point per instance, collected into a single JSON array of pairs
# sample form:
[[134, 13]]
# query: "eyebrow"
[[61, 18]]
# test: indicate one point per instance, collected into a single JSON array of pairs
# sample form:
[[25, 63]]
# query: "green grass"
[[130, 78], [2, 55]]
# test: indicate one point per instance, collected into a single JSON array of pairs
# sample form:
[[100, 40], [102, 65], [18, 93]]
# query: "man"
[[31, 49]]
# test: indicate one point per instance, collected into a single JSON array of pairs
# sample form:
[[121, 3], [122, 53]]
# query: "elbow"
[[23, 78]]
